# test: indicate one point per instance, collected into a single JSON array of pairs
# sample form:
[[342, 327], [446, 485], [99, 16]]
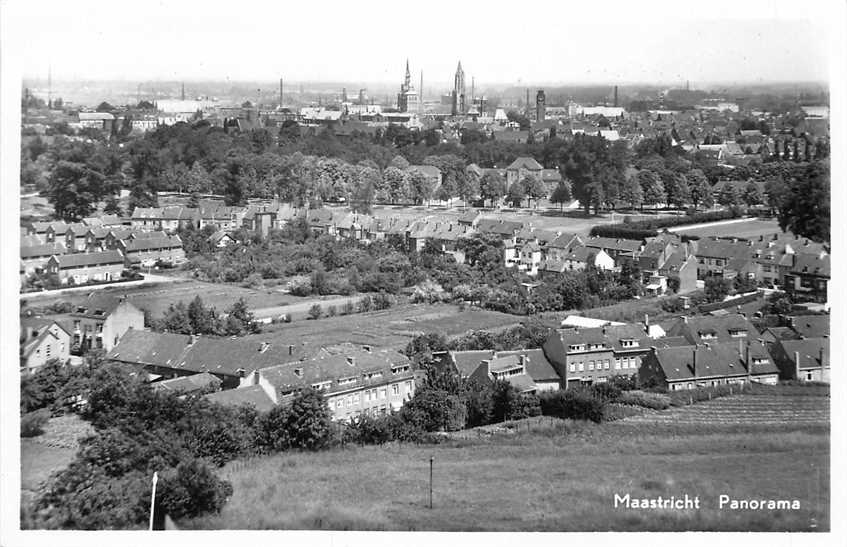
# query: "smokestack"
[[527, 102], [616, 96]]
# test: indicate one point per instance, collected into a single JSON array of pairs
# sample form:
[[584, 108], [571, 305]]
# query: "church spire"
[[408, 75]]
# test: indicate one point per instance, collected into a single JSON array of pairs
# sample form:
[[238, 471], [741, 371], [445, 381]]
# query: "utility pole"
[[153, 498], [431, 460]]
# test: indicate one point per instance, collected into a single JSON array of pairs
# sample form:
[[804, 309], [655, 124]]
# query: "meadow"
[[558, 475], [752, 228]]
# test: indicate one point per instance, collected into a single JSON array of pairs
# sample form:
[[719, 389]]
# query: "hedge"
[[655, 401], [648, 228]]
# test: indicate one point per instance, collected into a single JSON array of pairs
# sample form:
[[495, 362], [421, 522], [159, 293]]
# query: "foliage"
[[434, 410], [32, 423], [804, 207], [717, 288], [575, 404], [656, 401]]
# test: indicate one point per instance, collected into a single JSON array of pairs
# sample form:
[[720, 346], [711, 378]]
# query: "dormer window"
[[576, 347], [708, 335], [629, 343], [399, 369], [760, 360], [737, 333], [347, 381]]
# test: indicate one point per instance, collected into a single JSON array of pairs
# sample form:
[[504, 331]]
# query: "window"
[[367, 396], [356, 399], [590, 365], [572, 367], [383, 393], [339, 403], [49, 349], [581, 367], [76, 325], [99, 327], [617, 364], [395, 389], [606, 364], [409, 386]]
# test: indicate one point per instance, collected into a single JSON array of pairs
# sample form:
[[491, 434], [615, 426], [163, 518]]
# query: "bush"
[[32, 424], [191, 489], [656, 401], [648, 228], [308, 422], [434, 410], [576, 404], [606, 392], [315, 312], [624, 382], [367, 429]]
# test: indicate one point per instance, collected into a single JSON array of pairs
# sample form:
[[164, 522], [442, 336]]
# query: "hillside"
[[562, 476]]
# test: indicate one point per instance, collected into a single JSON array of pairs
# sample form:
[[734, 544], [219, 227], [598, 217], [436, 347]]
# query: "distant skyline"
[[544, 43]]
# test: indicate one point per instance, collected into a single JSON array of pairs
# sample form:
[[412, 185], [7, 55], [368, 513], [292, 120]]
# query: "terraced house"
[[150, 251], [84, 267]]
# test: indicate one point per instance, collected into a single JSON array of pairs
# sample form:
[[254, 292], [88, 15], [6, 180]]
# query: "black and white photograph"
[[337, 271]]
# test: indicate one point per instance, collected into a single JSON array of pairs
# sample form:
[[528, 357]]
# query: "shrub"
[[192, 489], [624, 382], [434, 410], [315, 312], [367, 429], [32, 424], [526, 405], [606, 392], [348, 308], [656, 401], [618, 411], [365, 304], [271, 430], [576, 404], [308, 422], [331, 311]]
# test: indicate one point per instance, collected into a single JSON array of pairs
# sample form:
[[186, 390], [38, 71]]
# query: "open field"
[[156, 298], [49, 452], [748, 229], [393, 327], [561, 479]]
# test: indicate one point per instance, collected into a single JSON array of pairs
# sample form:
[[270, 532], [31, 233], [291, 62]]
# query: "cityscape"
[[433, 302]]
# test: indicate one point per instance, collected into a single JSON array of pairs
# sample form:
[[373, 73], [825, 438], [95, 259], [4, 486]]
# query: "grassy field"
[[156, 298], [748, 229], [393, 327], [563, 478], [49, 452]]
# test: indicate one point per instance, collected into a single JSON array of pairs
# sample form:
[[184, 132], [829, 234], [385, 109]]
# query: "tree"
[[112, 207], [562, 194], [716, 288], [534, 188], [730, 196], [395, 185], [676, 188], [75, 189], [517, 192], [631, 191], [240, 320], [701, 191], [520, 119], [420, 186], [752, 194], [105, 107], [315, 312], [308, 421], [805, 207], [652, 187], [492, 186]]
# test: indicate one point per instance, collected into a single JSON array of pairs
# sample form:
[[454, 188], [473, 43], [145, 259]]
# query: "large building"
[[459, 106], [100, 321], [408, 99]]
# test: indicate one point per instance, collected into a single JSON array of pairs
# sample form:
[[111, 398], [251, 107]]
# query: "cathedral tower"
[[459, 106]]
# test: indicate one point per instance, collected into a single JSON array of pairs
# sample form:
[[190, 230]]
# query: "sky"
[[498, 42]]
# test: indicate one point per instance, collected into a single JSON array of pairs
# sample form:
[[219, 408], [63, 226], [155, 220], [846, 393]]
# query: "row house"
[[105, 221], [701, 329], [621, 250], [149, 251], [75, 237], [707, 365], [164, 356], [353, 381], [443, 235], [260, 218], [576, 258], [504, 229], [84, 267], [680, 268], [100, 321], [593, 355], [41, 340], [35, 257], [528, 370], [805, 360], [168, 219], [808, 277], [357, 227], [221, 217], [55, 231]]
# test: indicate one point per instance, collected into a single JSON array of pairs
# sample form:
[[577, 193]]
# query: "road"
[[149, 279]]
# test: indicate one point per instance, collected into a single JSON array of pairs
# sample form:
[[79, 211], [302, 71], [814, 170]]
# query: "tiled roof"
[[78, 260], [810, 326], [809, 351], [467, 361], [43, 250], [525, 162], [187, 384], [693, 327], [713, 360], [626, 245], [253, 396]]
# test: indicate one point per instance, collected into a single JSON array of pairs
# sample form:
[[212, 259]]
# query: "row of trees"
[[196, 318]]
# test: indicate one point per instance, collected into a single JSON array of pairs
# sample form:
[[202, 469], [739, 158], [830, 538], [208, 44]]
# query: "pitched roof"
[[145, 244], [78, 260], [525, 162], [717, 328], [809, 351], [811, 265], [713, 360], [187, 384], [625, 245], [810, 326], [43, 250], [253, 396], [467, 361], [538, 367]]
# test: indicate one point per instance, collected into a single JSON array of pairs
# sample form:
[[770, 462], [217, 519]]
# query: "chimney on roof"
[[255, 377], [748, 363], [797, 365], [351, 360], [820, 357], [298, 372], [694, 362], [522, 359], [290, 349], [191, 339]]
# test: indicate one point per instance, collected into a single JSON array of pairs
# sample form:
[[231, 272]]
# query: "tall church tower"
[[459, 106], [540, 107], [407, 99]]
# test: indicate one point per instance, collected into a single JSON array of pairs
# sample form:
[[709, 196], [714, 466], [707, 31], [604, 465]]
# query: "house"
[[505, 229], [169, 219], [56, 231], [35, 257], [84, 267], [621, 250], [706, 365], [681, 270], [97, 120], [353, 380], [74, 237], [148, 251], [808, 278], [214, 213], [714, 256], [806, 360], [577, 258], [221, 239], [523, 167], [528, 370], [702, 329], [166, 355], [100, 321], [561, 246], [42, 339], [592, 355], [198, 383], [40, 229]]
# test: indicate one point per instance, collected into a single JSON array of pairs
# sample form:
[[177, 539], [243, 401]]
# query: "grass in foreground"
[[561, 479]]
